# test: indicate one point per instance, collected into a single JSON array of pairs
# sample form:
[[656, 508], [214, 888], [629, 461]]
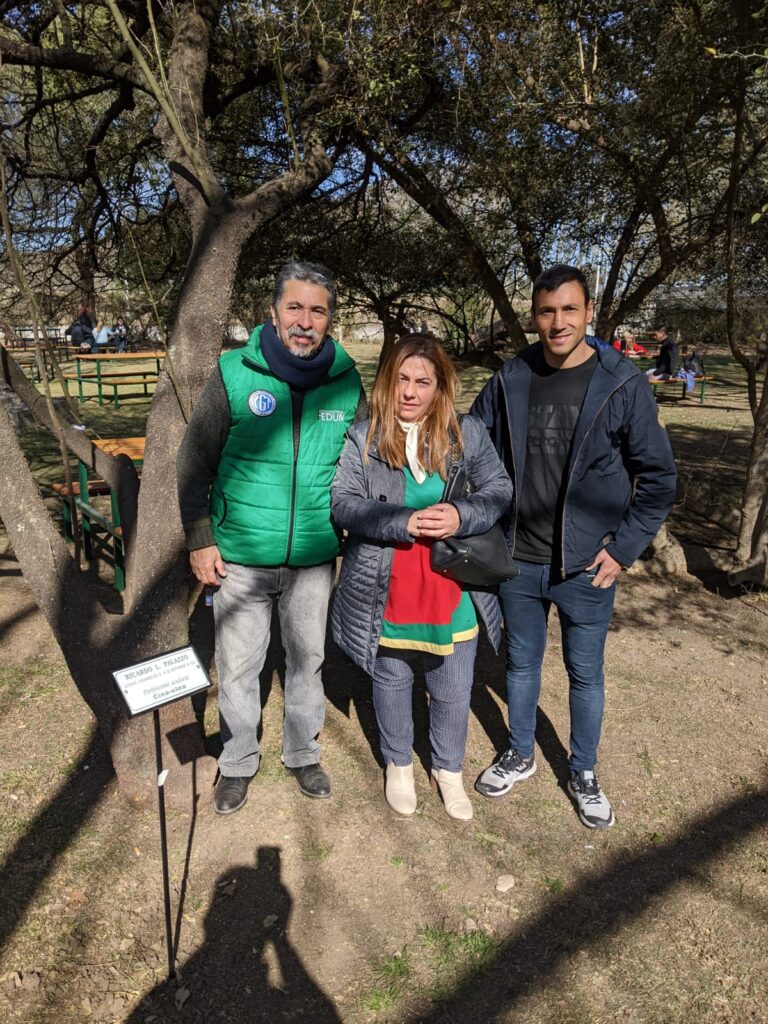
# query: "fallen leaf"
[[182, 995]]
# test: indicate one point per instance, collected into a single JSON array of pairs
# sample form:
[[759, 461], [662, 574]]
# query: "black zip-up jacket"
[[621, 476]]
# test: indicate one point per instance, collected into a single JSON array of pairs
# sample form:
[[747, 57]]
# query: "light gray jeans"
[[242, 609]]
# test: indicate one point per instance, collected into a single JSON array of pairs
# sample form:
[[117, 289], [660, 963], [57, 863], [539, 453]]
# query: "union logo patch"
[[262, 403]]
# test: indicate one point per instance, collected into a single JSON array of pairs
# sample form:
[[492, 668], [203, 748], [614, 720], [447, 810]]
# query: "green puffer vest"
[[270, 501]]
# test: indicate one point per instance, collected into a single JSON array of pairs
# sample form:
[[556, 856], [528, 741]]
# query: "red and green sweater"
[[424, 611]]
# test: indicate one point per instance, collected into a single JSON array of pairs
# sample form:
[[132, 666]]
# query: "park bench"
[[678, 388], [100, 370], [128, 378], [102, 533], [134, 379], [102, 537]]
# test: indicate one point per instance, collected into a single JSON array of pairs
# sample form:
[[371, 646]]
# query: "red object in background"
[[636, 350]]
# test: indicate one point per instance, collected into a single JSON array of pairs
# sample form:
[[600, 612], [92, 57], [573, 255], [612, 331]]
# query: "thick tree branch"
[[90, 65]]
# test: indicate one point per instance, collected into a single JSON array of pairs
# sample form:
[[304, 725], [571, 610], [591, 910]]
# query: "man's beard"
[[295, 332]]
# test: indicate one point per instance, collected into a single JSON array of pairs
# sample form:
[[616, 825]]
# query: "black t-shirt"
[[554, 404]]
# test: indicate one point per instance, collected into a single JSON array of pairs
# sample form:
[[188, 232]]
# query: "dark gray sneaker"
[[504, 773], [591, 802]]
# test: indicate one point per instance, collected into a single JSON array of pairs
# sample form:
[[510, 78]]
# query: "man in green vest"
[[255, 470]]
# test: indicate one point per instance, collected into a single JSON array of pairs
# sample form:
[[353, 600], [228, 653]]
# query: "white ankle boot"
[[451, 786], [400, 791]]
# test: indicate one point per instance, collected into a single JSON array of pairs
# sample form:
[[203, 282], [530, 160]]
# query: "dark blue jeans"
[[585, 612]]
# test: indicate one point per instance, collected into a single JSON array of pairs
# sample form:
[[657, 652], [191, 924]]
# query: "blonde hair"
[[439, 431]]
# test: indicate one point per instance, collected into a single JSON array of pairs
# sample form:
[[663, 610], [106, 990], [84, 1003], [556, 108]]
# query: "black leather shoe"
[[313, 781], [230, 794]]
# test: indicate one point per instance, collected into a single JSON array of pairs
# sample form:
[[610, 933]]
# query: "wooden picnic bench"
[[64, 493], [102, 532], [677, 387]]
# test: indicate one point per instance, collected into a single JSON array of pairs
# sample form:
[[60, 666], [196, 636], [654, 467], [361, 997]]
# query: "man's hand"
[[207, 565], [608, 570], [435, 522]]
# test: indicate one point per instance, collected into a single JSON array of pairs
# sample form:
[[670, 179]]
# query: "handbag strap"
[[456, 482]]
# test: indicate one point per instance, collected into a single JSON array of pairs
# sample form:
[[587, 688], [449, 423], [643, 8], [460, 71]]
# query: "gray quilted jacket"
[[367, 500]]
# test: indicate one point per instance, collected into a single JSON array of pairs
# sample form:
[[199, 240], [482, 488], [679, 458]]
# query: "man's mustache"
[[297, 332]]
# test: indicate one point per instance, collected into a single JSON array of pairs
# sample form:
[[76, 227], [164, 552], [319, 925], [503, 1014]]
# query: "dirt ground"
[[339, 911]]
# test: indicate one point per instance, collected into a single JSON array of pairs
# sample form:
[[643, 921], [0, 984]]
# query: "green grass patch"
[[489, 839], [396, 968], [646, 762], [380, 999], [554, 885], [32, 681], [318, 851], [450, 948], [394, 973]]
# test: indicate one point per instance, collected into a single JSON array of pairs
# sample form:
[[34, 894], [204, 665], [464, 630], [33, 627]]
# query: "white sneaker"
[[591, 802], [504, 773]]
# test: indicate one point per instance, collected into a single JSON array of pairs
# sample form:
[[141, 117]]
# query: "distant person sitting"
[[666, 361], [102, 336], [694, 363], [121, 334], [80, 331]]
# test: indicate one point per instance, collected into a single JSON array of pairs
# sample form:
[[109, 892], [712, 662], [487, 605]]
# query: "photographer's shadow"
[[247, 971]]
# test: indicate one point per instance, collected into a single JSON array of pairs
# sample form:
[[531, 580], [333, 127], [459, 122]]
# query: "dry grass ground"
[[329, 911]]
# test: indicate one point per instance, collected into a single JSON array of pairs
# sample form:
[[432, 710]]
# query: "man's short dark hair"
[[559, 274], [315, 273], [661, 327]]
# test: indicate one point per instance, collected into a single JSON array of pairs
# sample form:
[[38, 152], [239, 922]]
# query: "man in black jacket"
[[666, 361], [577, 428]]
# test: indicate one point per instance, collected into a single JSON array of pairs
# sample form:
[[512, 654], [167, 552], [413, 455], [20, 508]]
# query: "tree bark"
[[751, 562], [667, 555]]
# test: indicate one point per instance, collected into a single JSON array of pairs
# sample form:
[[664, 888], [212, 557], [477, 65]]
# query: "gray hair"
[[315, 273]]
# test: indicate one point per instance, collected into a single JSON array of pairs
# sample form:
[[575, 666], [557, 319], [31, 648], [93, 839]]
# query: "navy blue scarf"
[[299, 373]]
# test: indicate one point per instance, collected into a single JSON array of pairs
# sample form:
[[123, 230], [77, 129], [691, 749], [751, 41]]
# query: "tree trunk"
[[751, 561], [667, 555]]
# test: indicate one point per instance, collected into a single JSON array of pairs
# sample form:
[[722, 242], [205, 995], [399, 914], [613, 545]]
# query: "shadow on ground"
[[248, 971], [595, 910], [247, 968], [47, 837]]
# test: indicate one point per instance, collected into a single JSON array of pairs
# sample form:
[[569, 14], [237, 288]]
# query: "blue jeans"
[[242, 609], [585, 613]]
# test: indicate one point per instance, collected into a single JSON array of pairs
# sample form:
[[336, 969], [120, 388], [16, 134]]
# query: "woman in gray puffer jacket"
[[390, 609]]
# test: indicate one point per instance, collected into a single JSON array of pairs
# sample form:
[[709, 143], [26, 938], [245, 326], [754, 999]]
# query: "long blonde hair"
[[439, 431]]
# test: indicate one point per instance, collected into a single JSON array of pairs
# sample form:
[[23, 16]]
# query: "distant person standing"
[[665, 367]]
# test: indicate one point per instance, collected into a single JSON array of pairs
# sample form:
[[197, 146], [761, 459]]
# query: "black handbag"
[[479, 561]]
